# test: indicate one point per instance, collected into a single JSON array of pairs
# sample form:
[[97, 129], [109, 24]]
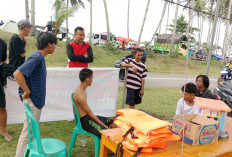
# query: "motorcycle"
[[117, 64], [225, 75], [224, 91]]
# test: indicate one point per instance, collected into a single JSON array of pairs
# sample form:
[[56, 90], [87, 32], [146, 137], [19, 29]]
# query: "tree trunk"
[[225, 43], [145, 15], [162, 16], [219, 28], [107, 21], [190, 18], [33, 17], [174, 29], [213, 35], [67, 24], [167, 19], [91, 16], [210, 23], [199, 36], [202, 23], [128, 17], [27, 10]]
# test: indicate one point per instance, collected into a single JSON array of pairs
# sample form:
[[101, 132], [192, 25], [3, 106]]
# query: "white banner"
[[61, 82]]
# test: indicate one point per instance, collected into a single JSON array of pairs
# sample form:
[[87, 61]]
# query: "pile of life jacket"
[[142, 132]]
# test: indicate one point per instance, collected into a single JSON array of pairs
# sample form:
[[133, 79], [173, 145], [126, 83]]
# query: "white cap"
[[141, 45]]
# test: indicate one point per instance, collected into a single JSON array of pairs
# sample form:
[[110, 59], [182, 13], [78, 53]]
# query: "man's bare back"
[[80, 98]]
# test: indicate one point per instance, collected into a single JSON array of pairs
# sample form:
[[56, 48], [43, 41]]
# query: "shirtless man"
[[89, 121]]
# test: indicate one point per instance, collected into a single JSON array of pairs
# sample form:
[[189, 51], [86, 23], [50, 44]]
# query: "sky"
[[117, 10]]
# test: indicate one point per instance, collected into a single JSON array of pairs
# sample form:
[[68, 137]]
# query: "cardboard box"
[[198, 129]]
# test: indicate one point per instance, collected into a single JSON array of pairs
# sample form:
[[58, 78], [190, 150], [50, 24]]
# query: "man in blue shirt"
[[31, 77]]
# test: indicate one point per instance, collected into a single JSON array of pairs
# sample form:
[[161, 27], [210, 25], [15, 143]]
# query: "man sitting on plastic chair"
[[89, 121], [84, 117]]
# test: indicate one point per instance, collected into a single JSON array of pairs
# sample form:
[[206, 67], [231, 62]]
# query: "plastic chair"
[[45, 147], [78, 130]]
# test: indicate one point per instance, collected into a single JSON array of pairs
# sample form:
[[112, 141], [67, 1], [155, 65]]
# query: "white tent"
[[9, 26]]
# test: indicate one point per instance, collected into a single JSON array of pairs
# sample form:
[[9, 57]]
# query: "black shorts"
[[90, 126], [133, 97], [2, 97]]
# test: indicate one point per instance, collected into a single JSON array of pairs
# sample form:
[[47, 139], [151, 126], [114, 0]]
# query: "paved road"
[[172, 80]]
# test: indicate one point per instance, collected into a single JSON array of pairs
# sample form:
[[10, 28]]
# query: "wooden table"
[[223, 148]]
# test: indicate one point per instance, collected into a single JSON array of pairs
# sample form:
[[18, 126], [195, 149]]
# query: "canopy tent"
[[123, 38], [167, 38], [9, 26]]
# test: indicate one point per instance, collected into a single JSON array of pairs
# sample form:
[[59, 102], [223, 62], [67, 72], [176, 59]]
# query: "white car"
[[129, 44]]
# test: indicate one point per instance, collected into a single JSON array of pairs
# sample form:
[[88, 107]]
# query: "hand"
[[25, 39], [134, 69], [26, 95], [106, 127], [141, 92], [86, 55]]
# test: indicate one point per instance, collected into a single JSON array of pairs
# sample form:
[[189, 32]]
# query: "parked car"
[[60, 34]]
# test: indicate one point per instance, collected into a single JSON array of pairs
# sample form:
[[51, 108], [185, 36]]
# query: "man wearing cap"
[[132, 55], [142, 46], [18, 44]]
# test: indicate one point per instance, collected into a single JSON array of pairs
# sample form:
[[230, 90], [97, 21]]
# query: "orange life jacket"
[[149, 132]]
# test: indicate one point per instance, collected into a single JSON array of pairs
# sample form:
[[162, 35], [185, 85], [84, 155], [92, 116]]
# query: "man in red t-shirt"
[[80, 53]]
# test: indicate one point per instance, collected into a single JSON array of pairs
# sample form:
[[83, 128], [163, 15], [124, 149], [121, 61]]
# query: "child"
[[135, 79], [187, 103]]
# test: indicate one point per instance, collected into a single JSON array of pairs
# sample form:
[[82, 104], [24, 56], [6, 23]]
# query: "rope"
[[186, 77]]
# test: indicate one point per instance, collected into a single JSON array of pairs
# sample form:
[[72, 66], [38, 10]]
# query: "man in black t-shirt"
[[3, 113], [18, 44]]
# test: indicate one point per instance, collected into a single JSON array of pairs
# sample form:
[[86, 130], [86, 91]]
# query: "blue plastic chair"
[[45, 147], [78, 130]]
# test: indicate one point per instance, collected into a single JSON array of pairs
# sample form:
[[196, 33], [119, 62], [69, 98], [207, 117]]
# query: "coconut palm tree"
[[200, 6], [144, 19], [190, 16], [174, 28], [91, 20], [33, 17], [225, 43], [61, 12], [27, 10], [162, 16], [107, 21], [167, 19], [73, 3], [128, 15], [164, 10]]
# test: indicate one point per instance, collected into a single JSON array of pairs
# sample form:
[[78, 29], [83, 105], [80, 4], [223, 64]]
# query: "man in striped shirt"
[[135, 79]]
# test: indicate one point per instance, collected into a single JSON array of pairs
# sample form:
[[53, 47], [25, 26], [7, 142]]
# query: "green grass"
[[104, 57], [154, 101]]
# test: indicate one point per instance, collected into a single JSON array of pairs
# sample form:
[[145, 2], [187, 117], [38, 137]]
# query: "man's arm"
[[71, 55], [20, 78], [18, 47], [25, 47], [129, 66], [89, 57], [82, 102], [142, 87]]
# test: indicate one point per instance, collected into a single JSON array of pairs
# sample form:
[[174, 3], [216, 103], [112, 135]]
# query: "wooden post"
[[124, 88]]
